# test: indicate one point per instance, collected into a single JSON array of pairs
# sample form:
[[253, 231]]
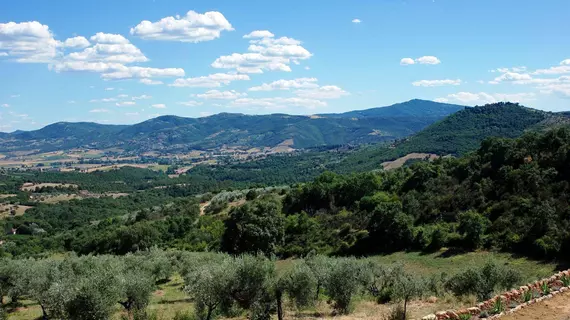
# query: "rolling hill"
[[458, 133], [173, 133]]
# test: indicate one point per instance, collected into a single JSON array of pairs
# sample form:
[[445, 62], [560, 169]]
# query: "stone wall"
[[519, 297]]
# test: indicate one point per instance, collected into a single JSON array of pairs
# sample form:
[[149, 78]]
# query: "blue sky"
[[130, 60]]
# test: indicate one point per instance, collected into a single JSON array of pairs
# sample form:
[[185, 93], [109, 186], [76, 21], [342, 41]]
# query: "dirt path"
[[557, 308]]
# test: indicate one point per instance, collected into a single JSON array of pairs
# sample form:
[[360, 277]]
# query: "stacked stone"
[[507, 297]]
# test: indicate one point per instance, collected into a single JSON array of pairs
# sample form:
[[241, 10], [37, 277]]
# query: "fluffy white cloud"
[[120, 53], [122, 96], [5, 105], [150, 82], [28, 42], [159, 106], [125, 72], [109, 38], [194, 27], [210, 81], [428, 60], [191, 103], [141, 97], [436, 83], [565, 62], [441, 100], [267, 53], [407, 61], [324, 92], [99, 111], [356, 21], [483, 97], [259, 34], [420, 60], [109, 89], [299, 83], [220, 95], [279, 102], [511, 77], [76, 43], [125, 103]]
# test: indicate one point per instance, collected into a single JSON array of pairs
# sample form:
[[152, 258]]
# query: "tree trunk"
[[209, 315], [405, 309], [44, 313], [318, 291], [280, 306]]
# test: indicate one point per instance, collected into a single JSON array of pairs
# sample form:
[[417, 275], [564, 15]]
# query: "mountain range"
[[179, 134]]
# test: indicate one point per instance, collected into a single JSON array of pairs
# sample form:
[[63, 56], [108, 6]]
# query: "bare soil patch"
[[557, 308], [400, 161]]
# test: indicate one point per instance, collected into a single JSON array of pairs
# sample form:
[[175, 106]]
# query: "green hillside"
[[457, 134]]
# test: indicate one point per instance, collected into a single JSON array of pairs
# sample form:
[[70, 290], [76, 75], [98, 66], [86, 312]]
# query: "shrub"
[[545, 288], [527, 296], [321, 267], [465, 316], [396, 313], [483, 281], [565, 280], [498, 307]]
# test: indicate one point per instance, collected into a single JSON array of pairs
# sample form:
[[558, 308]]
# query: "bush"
[[483, 281], [397, 313]]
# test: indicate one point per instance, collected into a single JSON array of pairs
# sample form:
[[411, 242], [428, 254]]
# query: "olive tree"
[[343, 283], [321, 267], [210, 286], [406, 288]]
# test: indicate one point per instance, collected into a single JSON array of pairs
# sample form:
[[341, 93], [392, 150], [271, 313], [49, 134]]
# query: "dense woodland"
[[511, 194]]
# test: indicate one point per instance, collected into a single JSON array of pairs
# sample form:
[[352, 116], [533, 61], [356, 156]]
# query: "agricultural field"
[[169, 298]]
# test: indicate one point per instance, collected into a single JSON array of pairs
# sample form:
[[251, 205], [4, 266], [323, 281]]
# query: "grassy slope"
[[170, 299]]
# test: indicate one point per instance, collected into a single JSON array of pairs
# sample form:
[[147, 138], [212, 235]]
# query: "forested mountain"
[[412, 108], [458, 133], [172, 133]]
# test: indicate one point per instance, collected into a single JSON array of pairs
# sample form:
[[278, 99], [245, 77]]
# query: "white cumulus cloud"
[[76, 42], [421, 60], [407, 61], [109, 38], [159, 106], [193, 27], [356, 21], [267, 53], [259, 34], [28, 42]]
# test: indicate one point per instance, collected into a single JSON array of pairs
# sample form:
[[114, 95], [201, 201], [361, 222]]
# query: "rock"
[[441, 315], [430, 317], [474, 310], [452, 315]]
